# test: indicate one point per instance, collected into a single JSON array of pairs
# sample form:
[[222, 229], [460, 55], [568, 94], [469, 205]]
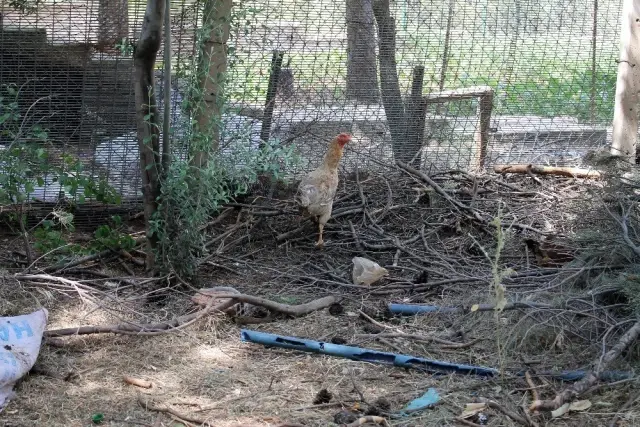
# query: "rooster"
[[317, 190]]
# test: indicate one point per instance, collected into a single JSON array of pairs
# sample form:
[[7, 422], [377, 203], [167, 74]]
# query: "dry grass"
[[207, 372]]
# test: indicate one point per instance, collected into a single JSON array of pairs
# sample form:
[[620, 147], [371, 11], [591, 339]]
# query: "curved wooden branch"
[[292, 310], [183, 321]]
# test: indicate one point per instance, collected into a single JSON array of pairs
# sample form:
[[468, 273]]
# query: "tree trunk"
[[113, 22], [362, 70], [625, 114], [144, 59], [212, 69], [389, 85]]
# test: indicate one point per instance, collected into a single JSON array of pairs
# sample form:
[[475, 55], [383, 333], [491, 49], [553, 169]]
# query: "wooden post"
[[485, 105], [270, 102], [417, 82], [625, 114], [594, 68], [416, 110]]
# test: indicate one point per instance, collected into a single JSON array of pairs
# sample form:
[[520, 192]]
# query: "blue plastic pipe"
[[363, 355], [413, 309]]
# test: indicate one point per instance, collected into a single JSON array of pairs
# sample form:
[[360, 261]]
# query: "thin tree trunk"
[[144, 60], [625, 114], [213, 67], [166, 122], [362, 70], [389, 84]]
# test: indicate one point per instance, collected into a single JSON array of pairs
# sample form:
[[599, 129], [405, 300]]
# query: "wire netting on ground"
[[504, 81]]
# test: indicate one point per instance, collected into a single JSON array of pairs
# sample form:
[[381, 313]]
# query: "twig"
[[369, 419], [515, 417], [548, 170], [532, 385], [627, 405], [375, 322], [153, 407], [417, 337], [460, 207], [466, 422], [599, 366]]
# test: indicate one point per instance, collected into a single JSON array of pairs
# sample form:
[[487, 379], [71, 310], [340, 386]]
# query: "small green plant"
[[47, 238], [498, 274], [125, 47], [111, 237], [26, 168]]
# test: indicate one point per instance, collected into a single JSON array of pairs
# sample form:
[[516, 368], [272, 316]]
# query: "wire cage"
[[445, 85]]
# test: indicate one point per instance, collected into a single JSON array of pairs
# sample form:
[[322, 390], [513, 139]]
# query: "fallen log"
[[548, 170]]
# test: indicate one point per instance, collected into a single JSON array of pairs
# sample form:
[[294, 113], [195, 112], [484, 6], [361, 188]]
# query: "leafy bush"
[[191, 195]]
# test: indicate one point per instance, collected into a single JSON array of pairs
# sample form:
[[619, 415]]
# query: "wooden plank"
[[457, 94]]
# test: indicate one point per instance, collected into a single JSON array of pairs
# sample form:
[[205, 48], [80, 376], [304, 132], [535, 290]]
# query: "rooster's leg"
[[320, 242]]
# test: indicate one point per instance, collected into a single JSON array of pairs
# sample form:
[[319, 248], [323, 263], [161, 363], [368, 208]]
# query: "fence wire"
[[468, 84]]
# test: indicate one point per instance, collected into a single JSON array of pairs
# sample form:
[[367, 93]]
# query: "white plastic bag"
[[20, 339], [366, 272]]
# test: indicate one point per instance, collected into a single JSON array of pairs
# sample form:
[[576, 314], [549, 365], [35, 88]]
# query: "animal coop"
[[442, 84]]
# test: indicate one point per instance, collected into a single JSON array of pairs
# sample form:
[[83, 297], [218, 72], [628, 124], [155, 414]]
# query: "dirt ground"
[[433, 251]]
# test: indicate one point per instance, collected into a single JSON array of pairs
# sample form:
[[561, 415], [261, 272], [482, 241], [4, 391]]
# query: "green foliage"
[[25, 161], [111, 237], [49, 238], [125, 47]]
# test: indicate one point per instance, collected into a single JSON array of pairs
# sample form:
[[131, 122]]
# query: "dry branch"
[[293, 310], [137, 382], [548, 170], [459, 206], [600, 365], [150, 329], [369, 419], [156, 408], [190, 418], [183, 321], [515, 417]]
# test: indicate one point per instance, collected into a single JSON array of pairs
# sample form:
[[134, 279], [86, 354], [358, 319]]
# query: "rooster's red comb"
[[343, 138]]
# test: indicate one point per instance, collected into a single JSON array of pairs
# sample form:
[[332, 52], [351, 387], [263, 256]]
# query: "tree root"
[[592, 377]]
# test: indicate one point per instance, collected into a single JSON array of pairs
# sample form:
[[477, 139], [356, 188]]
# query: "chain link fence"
[[455, 84]]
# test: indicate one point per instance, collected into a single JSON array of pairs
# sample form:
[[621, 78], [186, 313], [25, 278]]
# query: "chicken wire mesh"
[[443, 84]]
